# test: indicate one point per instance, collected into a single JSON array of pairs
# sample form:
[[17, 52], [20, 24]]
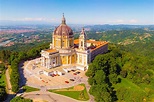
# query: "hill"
[[122, 75]]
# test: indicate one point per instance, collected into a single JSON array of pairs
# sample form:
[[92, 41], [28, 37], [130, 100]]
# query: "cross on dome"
[[63, 20]]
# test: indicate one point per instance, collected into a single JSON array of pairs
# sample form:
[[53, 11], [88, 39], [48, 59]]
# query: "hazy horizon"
[[11, 23]]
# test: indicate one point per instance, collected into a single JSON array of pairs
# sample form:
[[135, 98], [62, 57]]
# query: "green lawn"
[[78, 95], [30, 89], [128, 84], [72, 94], [133, 92]]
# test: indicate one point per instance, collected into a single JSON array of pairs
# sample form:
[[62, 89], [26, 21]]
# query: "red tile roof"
[[97, 44]]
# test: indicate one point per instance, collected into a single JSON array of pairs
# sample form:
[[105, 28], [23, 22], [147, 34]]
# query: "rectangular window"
[[80, 59], [63, 44], [56, 43]]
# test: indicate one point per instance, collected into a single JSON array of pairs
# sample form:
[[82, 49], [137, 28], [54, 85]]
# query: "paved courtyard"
[[31, 71]]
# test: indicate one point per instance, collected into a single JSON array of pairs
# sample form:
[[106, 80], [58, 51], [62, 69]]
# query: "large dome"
[[63, 29]]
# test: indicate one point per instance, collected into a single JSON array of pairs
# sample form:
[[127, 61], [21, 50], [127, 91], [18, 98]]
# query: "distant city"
[[10, 35]]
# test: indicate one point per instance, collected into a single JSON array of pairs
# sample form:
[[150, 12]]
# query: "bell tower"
[[82, 40], [83, 53]]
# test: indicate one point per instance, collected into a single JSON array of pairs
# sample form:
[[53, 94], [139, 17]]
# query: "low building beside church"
[[64, 50]]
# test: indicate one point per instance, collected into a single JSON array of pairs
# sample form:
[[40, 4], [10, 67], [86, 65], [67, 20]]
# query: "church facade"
[[64, 50]]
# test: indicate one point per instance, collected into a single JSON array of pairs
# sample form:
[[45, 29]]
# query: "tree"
[[22, 55], [20, 99], [2, 66], [91, 70], [123, 73], [91, 81], [2, 93], [5, 55], [100, 77], [113, 78], [101, 93]]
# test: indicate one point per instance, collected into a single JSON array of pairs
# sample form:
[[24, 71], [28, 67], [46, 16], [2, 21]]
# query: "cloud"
[[119, 21], [133, 21], [36, 19]]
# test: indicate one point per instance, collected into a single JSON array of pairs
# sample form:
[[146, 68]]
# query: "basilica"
[[65, 50]]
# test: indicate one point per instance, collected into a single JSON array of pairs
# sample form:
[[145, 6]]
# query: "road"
[[48, 96], [8, 82], [91, 98], [8, 85]]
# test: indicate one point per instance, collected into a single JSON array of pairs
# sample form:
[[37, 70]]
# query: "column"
[[67, 42], [86, 59], [42, 61], [67, 59], [51, 62], [71, 59], [83, 59], [77, 58], [48, 62], [57, 61]]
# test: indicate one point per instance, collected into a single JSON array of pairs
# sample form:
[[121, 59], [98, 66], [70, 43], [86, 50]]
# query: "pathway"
[[8, 85], [8, 82]]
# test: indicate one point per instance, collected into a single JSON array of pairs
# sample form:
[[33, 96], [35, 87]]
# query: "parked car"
[[73, 70], [67, 82], [71, 79], [57, 75], [77, 72], [53, 74], [74, 74]]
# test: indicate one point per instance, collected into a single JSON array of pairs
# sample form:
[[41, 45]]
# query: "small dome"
[[63, 29]]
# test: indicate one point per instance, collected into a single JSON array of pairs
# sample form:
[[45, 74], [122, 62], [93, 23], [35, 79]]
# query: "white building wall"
[[85, 55]]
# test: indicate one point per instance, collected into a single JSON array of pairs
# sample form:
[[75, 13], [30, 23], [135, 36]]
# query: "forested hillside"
[[13, 58], [123, 75], [123, 37], [126, 72]]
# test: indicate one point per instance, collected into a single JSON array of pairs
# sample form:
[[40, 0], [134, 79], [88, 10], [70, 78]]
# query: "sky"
[[78, 11]]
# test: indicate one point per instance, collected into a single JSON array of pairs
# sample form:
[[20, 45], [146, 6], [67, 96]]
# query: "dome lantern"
[[63, 20]]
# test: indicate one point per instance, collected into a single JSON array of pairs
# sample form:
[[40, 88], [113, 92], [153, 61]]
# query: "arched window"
[[81, 43], [70, 42], [63, 44], [56, 42]]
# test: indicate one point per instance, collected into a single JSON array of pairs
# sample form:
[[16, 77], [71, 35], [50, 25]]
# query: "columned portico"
[[50, 58]]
